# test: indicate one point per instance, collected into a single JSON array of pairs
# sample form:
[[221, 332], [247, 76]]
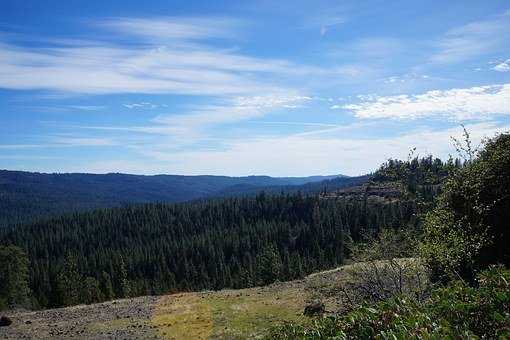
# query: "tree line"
[[158, 248]]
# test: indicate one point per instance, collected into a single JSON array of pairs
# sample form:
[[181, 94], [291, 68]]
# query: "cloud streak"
[[164, 29], [63, 142], [169, 56], [237, 109], [474, 39]]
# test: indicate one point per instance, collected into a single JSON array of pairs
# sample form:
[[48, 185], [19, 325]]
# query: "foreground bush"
[[456, 310], [468, 230], [385, 266]]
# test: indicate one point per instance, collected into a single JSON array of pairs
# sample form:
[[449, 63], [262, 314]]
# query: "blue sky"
[[283, 88]]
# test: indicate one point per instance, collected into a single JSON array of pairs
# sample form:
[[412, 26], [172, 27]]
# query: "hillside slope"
[[224, 314]]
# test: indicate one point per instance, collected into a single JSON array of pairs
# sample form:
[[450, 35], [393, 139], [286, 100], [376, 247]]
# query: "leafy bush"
[[468, 230], [456, 310]]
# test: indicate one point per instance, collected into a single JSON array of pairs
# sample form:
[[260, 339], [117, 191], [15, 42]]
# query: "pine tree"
[[123, 285], [91, 291], [268, 266], [106, 286], [13, 277], [69, 283]]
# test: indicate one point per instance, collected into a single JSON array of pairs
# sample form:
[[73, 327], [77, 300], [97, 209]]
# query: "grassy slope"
[[225, 314]]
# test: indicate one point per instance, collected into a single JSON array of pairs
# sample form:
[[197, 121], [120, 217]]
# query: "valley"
[[270, 170]]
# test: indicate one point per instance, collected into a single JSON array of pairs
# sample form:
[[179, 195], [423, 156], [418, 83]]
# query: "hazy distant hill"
[[25, 195], [326, 185]]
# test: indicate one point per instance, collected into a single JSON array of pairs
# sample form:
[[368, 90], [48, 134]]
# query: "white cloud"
[[62, 142], [68, 141], [21, 146], [143, 105], [102, 69], [65, 108], [236, 109], [183, 56], [503, 66], [193, 126], [474, 39], [173, 28], [470, 103], [313, 124], [405, 78], [300, 155], [394, 79], [87, 107], [151, 64]]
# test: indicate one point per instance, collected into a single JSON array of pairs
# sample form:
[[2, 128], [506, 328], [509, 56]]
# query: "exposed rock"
[[5, 321], [314, 309]]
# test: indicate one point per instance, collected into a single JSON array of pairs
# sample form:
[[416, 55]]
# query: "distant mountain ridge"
[[28, 195]]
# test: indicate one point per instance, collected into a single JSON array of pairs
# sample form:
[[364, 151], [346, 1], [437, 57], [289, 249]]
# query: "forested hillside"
[[235, 242], [158, 248], [26, 196]]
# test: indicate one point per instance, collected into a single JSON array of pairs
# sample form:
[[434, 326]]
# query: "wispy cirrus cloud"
[[66, 108], [405, 78], [312, 124], [62, 142], [87, 107], [474, 39], [103, 69], [193, 124], [163, 29], [458, 104], [68, 141], [144, 105], [169, 56], [233, 110]]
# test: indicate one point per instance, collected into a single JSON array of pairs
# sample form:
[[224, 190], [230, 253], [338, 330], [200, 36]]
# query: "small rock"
[[5, 321], [313, 309]]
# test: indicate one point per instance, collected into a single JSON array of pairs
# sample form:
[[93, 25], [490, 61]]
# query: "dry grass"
[[183, 316], [227, 314]]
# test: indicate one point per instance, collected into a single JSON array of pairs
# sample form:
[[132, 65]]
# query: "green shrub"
[[468, 230], [482, 310], [456, 310]]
